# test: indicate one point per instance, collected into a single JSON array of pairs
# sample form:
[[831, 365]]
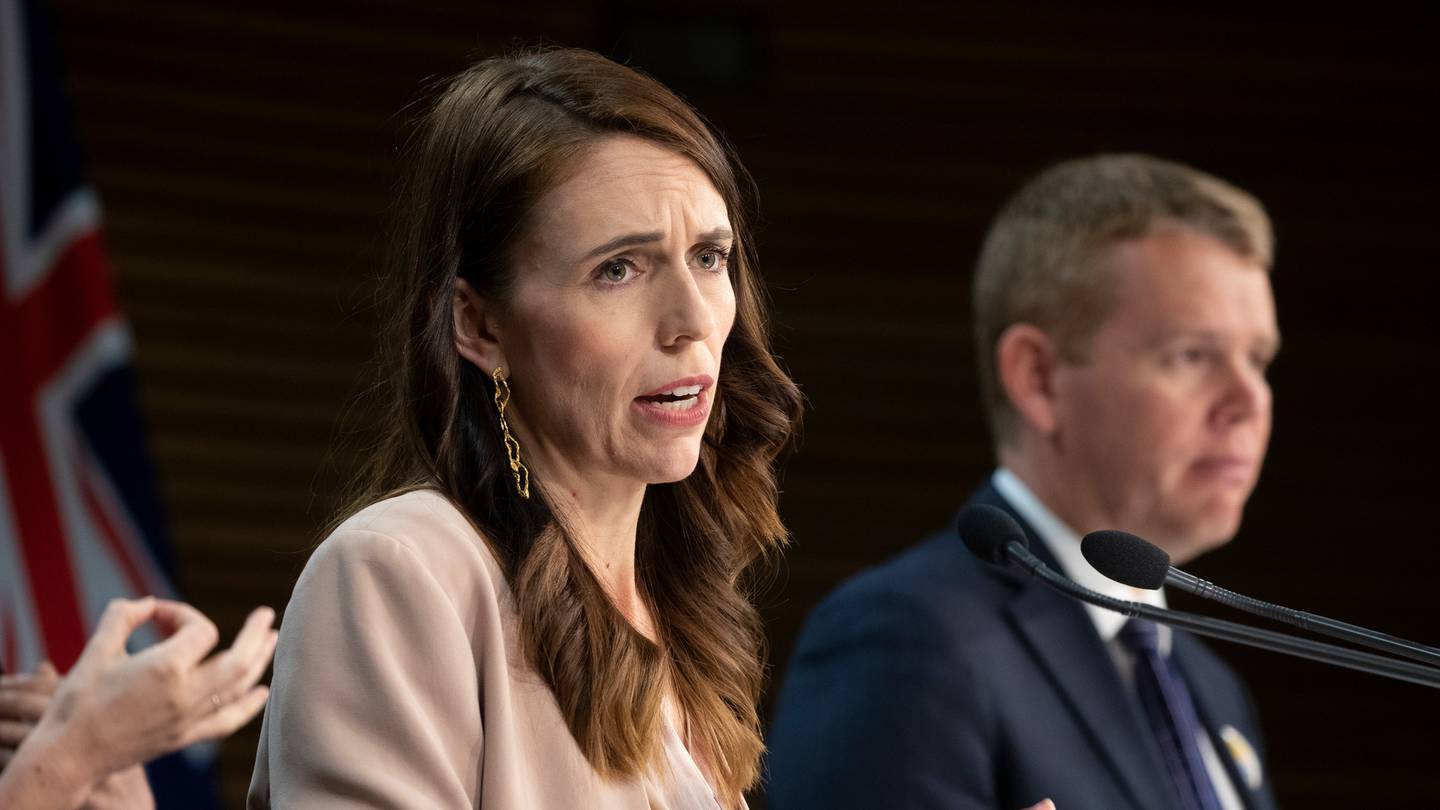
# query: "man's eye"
[[1194, 355], [1187, 357]]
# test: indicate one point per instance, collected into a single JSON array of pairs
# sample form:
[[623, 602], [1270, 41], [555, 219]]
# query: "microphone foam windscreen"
[[1126, 558], [987, 530]]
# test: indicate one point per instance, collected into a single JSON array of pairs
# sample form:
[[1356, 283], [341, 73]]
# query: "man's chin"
[[1201, 536]]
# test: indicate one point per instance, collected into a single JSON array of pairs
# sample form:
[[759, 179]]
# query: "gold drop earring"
[[518, 470]]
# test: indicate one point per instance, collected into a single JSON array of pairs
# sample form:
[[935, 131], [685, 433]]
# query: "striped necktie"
[[1172, 717]]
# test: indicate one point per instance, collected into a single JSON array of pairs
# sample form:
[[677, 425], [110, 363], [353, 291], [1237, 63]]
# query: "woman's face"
[[612, 333]]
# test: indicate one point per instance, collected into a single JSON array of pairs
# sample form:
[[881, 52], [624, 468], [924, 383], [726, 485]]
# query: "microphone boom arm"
[[1305, 621], [1229, 631]]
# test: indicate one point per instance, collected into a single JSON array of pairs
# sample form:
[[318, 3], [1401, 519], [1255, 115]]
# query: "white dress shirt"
[[1064, 543]]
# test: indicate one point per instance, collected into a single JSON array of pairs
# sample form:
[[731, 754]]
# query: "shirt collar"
[[1064, 543]]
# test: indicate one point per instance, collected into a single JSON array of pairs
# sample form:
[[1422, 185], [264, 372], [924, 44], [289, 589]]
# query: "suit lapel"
[[1064, 640], [1212, 709]]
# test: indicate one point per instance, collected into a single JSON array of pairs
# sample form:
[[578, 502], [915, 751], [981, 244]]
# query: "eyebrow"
[[633, 239], [1271, 346]]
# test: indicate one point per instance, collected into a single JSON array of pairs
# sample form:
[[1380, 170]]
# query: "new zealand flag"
[[81, 521]]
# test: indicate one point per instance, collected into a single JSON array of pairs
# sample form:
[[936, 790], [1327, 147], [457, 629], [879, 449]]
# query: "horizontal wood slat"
[[245, 155]]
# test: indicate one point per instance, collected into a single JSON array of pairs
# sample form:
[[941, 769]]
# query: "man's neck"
[[1064, 545], [1067, 499]]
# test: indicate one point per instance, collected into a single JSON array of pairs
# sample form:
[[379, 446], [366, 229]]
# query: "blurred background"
[[245, 155]]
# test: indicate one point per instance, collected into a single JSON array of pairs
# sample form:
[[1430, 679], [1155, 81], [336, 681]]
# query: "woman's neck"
[[604, 514]]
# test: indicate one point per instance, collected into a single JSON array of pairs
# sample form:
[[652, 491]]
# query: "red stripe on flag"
[[37, 519], [38, 335], [64, 309], [134, 573]]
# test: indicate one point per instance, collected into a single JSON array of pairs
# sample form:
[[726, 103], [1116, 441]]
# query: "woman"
[[540, 602]]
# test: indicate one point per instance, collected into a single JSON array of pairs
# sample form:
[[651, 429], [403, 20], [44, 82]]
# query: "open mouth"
[[680, 398]]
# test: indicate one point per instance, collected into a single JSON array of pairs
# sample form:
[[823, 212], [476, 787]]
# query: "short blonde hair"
[[1040, 260]]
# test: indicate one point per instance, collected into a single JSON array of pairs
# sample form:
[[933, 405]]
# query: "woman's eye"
[[712, 259], [615, 272]]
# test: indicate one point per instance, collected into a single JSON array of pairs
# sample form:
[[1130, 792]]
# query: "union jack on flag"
[[81, 521]]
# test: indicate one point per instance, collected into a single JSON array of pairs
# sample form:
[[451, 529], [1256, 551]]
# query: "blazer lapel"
[[1064, 640]]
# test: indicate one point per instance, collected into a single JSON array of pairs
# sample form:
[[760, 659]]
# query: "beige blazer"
[[399, 683]]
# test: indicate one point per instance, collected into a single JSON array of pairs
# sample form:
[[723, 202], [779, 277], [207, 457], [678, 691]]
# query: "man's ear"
[[477, 337], [1026, 360]]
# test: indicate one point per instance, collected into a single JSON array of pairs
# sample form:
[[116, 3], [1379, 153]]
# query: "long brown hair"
[[495, 138]]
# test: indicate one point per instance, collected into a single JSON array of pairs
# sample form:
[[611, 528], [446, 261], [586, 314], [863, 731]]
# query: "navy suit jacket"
[[936, 681]]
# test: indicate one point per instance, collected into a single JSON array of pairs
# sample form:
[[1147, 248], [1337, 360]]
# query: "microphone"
[[993, 536], [1138, 563], [987, 531]]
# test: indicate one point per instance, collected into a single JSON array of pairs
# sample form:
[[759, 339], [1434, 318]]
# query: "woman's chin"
[[674, 467]]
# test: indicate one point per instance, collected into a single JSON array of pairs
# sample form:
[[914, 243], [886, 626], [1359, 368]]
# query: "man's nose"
[[1246, 392]]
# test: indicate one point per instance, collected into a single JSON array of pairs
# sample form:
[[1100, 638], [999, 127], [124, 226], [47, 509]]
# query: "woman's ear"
[[1026, 360], [477, 337]]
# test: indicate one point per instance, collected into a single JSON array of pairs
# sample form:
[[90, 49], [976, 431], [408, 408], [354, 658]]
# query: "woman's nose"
[[687, 314]]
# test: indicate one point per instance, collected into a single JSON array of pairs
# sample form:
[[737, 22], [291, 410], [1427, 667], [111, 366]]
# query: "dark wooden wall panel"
[[245, 156]]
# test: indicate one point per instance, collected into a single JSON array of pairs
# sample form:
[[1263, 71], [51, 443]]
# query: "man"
[[1124, 323]]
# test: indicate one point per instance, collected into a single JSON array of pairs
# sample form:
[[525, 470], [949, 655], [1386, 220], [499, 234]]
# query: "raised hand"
[[133, 708], [85, 736]]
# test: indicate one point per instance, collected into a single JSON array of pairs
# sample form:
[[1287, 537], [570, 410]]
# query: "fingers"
[[230, 717], [43, 681], [46, 678], [24, 705], [260, 661], [171, 615], [170, 691], [233, 690], [231, 673], [13, 732], [254, 634], [23, 700], [120, 619], [1045, 804], [191, 635]]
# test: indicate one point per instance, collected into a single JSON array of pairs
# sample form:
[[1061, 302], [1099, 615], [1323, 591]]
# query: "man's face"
[[1165, 421]]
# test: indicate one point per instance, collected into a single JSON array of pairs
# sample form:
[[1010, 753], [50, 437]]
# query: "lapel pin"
[[1244, 756]]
